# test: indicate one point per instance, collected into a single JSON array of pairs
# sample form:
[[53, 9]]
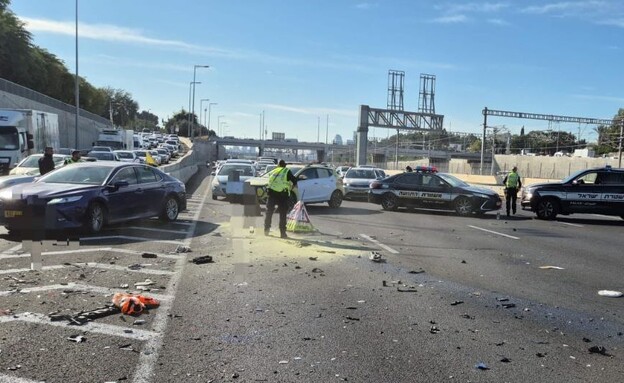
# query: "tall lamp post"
[[193, 105], [77, 80], [209, 105], [219, 124], [188, 118], [201, 102]]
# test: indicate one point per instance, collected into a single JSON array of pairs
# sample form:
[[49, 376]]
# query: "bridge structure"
[[321, 148]]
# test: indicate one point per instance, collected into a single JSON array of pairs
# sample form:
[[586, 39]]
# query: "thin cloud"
[[366, 6], [500, 22], [566, 7], [452, 19], [613, 22], [473, 7], [310, 111]]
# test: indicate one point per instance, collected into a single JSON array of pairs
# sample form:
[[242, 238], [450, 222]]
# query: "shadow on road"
[[326, 210]]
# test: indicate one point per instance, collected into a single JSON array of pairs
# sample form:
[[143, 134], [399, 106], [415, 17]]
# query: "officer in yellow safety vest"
[[512, 185], [75, 157], [278, 189]]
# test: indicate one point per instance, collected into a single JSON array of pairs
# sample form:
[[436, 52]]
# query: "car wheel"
[[463, 206], [547, 208], [336, 199], [214, 197], [171, 209], [389, 202], [96, 216]]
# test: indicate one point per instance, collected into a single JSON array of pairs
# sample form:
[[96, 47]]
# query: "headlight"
[[346, 184], [481, 195], [55, 201], [6, 194]]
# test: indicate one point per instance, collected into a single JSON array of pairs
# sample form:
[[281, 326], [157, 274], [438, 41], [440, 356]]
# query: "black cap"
[[282, 164], [75, 151]]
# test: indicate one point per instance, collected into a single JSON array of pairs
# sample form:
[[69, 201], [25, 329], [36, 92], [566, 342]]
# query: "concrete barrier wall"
[[549, 167]]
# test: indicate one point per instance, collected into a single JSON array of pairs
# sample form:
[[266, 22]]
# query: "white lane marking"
[[156, 230], [158, 255], [14, 379], [13, 249], [493, 232], [376, 242], [44, 268], [607, 216], [95, 266], [571, 224], [139, 239], [147, 360], [99, 328], [76, 286], [23, 255]]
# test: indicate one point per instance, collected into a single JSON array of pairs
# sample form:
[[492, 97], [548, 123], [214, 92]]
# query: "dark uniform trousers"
[[511, 196], [281, 200]]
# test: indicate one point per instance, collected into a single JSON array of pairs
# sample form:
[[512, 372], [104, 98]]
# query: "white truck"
[[116, 139], [24, 132]]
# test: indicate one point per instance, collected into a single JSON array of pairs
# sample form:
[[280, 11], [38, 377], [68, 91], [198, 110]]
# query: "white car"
[[220, 181], [127, 156], [30, 165]]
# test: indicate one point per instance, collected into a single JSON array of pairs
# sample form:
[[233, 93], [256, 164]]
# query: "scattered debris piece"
[[466, 316], [82, 317], [384, 284], [124, 285], [351, 308], [283, 362], [502, 299], [508, 305], [77, 338], [586, 340], [481, 366], [505, 360], [375, 256], [419, 271], [313, 258], [303, 244], [147, 282], [183, 249], [407, 290], [457, 303], [131, 304], [551, 268], [610, 293], [352, 318], [463, 261], [434, 330], [317, 270], [202, 260], [138, 322], [327, 251], [149, 255], [598, 350], [541, 355]]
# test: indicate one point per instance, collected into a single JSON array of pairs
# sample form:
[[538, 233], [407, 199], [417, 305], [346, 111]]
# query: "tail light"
[[375, 185]]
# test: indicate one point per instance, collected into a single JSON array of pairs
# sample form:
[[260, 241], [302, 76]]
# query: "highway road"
[[451, 292]]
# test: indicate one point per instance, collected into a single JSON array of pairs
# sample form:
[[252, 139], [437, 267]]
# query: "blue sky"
[[300, 60]]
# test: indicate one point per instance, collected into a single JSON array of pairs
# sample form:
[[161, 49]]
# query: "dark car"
[[91, 195], [426, 188], [595, 191]]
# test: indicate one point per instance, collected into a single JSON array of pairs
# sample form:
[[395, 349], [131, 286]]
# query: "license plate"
[[12, 213]]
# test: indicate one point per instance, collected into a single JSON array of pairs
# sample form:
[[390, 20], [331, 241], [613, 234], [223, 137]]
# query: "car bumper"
[[374, 198], [489, 204], [356, 191], [38, 215]]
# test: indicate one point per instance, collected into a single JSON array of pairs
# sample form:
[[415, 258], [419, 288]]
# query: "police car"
[[595, 191], [426, 188]]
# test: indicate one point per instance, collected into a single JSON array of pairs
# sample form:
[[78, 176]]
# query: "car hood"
[[538, 185], [477, 189], [43, 190], [22, 170], [357, 181]]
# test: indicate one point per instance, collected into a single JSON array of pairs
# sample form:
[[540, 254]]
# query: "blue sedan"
[[90, 195]]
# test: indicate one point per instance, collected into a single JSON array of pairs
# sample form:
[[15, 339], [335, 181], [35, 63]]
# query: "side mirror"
[[118, 184], [302, 177]]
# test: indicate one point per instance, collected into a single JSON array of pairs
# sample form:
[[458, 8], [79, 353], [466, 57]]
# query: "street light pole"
[[193, 105], [209, 105], [188, 114], [201, 102], [219, 124], [77, 80]]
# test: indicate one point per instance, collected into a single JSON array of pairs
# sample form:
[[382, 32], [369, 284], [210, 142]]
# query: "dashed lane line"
[[571, 224], [151, 350], [76, 286], [493, 232], [99, 328], [376, 242], [156, 230], [95, 266], [14, 379], [56, 252], [138, 239]]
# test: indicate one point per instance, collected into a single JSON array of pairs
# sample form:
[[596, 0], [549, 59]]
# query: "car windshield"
[[125, 155], [229, 169], [31, 161], [75, 174], [573, 176], [102, 156], [360, 174], [452, 180]]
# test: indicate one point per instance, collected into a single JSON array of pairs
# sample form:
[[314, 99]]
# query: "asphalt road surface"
[[450, 294]]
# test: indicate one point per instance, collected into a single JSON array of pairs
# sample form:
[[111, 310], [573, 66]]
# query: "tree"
[[475, 146], [609, 136]]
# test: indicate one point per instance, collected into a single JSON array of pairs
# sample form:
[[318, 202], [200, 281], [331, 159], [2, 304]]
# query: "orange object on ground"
[[131, 304]]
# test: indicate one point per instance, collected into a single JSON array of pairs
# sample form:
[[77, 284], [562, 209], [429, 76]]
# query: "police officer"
[[279, 192], [46, 163], [75, 157], [512, 185]]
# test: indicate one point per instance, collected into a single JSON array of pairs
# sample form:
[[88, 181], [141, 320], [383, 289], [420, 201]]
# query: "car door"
[[326, 183], [153, 190], [407, 188], [434, 192], [308, 185], [123, 202], [612, 199], [583, 195]]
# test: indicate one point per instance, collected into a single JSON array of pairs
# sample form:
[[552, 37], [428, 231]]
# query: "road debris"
[[317, 270], [147, 282], [77, 338], [131, 304], [434, 330], [481, 366], [202, 260], [551, 268], [419, 271], [313, 258], [610, 293], [407, 290], [457, 303], [505, 360], [508, 305], [149, 255], [375, 256], [598, 350], [183, 249], [136, 266], [82, 317], [352, 318]]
